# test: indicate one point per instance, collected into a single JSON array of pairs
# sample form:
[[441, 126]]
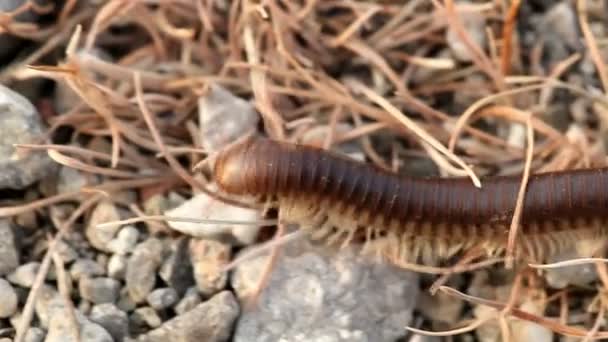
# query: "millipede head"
[[230, 166]]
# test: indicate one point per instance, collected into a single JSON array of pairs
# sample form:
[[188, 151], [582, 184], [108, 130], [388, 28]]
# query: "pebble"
[[559, 31], [99, 290], [86, 268], [9, 252], [208, 257], [8, 304], [20, 123], [47, 302], [112, 319], [440, 307], [61, 329], [14, 319], [224, 118], [67, 253], [176, 270], [142, 267], [117, 266], [189, 301], [25, 274], [162, 298], [100, 237], [202, 206], [70, 180], [211, 321], [474, 25], [146, 316], [328, 289], [125, 303], [34, 334], [125, 241], [561, 277]]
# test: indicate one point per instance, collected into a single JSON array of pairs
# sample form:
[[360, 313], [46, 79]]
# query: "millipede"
[[339, 201]]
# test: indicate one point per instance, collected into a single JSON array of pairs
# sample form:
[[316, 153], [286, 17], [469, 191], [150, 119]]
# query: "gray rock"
[[176, 270], [211, 321], [208, 257], [190, 300], [8, 304], [20, 123], [9, 252], [316, 295], [117, 266], [100, 237], [111, 318], [146, 316], [34, 334], [142, 267], [223, 118], [99, 290], [86, 268], [125, 241], [161, 299], [25, 274], [61, 330]]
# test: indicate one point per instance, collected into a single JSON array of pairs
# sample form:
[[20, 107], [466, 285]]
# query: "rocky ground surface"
[[65, 278]]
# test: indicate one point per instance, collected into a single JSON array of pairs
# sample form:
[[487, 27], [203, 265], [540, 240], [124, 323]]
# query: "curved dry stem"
[[519, 204], [468, 328], [163, 218]]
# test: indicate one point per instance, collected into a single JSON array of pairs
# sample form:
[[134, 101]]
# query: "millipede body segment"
[[339, 201]]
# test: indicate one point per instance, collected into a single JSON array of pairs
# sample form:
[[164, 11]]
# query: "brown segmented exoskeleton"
[[339, 201]]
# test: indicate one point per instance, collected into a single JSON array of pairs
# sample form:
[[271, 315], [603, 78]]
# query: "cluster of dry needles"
[[312, 68]]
